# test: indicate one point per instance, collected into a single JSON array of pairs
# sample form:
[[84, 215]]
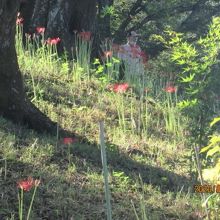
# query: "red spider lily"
[[120, 87], [26, 185], [69, 140], [170, 89], [85, 35], [40, 30], [19, 21], [108, 54], [53, 41]]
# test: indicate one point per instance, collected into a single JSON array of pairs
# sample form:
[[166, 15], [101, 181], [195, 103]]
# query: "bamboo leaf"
[[213, 151], [215, 120]]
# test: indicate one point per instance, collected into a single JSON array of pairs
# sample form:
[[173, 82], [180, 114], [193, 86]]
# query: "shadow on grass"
[[77, 198], [58, 198], [119, 161], [122, 162]]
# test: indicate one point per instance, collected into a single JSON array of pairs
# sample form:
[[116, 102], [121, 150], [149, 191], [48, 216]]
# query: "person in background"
[[133, 58]]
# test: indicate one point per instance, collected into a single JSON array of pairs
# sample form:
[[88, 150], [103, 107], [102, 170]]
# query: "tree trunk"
[[13, 103], [11, 86]]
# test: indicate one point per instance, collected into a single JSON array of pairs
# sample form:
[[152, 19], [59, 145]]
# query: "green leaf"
[[109, 64], [215, 120], [187, 103], [188, 79], [107, 10], [192, 91], [215, 140], [181, 62], [96, 62], [213, 151], [204, 149], [115, 60], [100, 69]]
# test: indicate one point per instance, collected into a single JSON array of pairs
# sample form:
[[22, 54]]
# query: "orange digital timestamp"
[[206, 188]]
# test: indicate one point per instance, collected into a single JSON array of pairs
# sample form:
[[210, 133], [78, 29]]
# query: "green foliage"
[[108, 71], [213, 148], [121, 180], [172, 116], [187, 103], [196, 62], [211, 174], [107, 10], [99, 71]]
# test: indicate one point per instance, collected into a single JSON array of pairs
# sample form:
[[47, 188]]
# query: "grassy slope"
[[72, 183]]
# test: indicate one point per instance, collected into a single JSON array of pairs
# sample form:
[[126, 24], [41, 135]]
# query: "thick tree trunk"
[[13, 103], [11, 87]]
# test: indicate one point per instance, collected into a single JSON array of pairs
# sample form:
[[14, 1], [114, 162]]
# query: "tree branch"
[[135, 9]]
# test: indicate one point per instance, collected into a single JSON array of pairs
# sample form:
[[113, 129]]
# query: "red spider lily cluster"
[[123, 87], [69, 140], [119, 87], [85, 35], [170, 89], [28, 184], [53, 41], [40, 30]]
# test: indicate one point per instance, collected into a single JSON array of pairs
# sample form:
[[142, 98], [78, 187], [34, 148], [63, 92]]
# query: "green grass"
[[72, 184]]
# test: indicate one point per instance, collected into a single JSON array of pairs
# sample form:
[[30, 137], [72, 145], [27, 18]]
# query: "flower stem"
[[32, 200], [20, 204]]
